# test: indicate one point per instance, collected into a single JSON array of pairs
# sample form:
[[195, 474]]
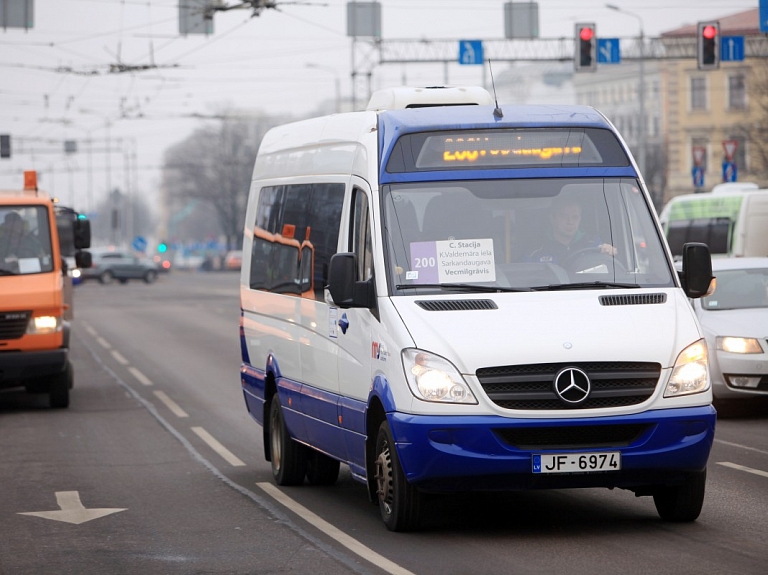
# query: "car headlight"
[[739, 345], [44, 324], [690, 374], [433, 378]]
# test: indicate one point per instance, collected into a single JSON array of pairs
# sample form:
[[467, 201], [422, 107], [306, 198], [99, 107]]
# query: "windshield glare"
[[521, 234]]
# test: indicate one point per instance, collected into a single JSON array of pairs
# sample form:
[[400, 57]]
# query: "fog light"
[[743, 381]]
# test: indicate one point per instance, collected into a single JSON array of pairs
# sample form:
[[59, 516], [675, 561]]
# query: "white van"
[[409, 309], [732, 220]]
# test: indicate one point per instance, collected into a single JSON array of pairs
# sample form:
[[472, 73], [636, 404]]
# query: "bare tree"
[[756, 134], [214, 166]]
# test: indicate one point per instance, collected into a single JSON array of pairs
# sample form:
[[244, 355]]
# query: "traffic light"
[[162, 247], [708, 45], [586, 40]]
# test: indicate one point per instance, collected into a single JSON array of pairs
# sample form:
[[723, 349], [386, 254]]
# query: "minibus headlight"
[[433, 378], [690, 374], [44, 324]]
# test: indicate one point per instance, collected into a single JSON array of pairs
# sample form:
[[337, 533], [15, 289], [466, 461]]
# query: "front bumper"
[[456, 453], [20, 368], [726, 365]]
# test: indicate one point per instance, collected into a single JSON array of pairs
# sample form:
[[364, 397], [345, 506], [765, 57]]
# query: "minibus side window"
[[360, 237]]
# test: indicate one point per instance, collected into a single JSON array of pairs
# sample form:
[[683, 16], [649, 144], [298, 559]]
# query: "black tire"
[[321, 469], [150, 276], [399, 501], [288, 458], [106, 277], [58, 392], [681, 503]]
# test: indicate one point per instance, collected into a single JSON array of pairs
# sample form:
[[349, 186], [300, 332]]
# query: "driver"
[[566, 238]]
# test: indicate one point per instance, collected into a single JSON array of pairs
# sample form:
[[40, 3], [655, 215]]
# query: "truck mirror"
[[697, 269], [345, 290], [82, 229]]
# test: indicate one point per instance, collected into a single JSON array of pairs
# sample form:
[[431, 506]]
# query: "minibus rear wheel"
[[289, 458], [399, 501]]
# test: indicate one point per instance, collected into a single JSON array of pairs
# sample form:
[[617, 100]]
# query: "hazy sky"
[[247, 63]]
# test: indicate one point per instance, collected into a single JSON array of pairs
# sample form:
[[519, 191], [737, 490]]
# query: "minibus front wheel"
[[399, 501]]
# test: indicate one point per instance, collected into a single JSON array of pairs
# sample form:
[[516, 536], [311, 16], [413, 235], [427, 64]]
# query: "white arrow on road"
[[72, 510]]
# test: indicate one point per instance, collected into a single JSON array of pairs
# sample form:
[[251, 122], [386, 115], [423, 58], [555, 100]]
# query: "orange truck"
[[36, 292]]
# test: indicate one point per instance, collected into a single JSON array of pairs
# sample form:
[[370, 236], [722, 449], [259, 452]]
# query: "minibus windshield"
[[520, 235]]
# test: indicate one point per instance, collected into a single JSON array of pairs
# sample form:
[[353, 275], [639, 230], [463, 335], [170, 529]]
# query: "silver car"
[[735, 322], [121, 266]]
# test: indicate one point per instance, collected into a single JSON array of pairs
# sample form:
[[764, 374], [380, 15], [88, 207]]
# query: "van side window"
[[295, 234], [360, 237]]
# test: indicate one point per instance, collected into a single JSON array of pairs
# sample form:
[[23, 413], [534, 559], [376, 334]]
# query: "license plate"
[[577, 462]]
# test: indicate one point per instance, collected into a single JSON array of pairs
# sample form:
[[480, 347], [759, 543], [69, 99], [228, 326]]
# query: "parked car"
[[734, 320], [233, 260], [121, 266]]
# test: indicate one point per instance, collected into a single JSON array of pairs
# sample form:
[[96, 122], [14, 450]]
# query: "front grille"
[[13, 324], [531, 387], [456, 304], [572, 437]]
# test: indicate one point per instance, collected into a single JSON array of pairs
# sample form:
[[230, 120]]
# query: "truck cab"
[[35, 293]]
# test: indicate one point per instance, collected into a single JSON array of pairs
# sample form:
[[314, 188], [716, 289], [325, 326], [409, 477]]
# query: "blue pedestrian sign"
[[139, 244], [732, 49], [698, 176], [764, 16], [608, 51], [729, 172], [470, 52]]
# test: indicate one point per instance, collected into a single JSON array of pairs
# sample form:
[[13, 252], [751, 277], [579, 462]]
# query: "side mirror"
[[345, 290], [83, 260], [696, 276], [82, 230]]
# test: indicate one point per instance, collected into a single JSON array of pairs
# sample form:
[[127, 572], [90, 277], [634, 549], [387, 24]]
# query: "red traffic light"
[[709, 32], [586, 34]]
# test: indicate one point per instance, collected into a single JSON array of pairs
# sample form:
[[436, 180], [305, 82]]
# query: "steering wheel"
[[591, 257]]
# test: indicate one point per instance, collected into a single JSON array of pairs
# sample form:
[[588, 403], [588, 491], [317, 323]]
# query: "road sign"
[[729, 172], [608, 51], [730, 149], [698, 155], [139, 244], [470, 52], [698, 177], [764, 16], [732, 49]]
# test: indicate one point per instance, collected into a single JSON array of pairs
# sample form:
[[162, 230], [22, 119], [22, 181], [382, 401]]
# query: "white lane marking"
[[90, 330], [170, 404], [742, 468], [321, 524], [213, 443], [103, 342], [143, 379], [72, 510], [119, 357], [741, 446]]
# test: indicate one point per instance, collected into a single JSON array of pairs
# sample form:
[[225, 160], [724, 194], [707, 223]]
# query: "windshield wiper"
[[462, 287], [585, 285], [7, 273]]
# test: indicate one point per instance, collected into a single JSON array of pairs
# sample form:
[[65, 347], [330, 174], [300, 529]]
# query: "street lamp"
[[641, 95], [337, 81]]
